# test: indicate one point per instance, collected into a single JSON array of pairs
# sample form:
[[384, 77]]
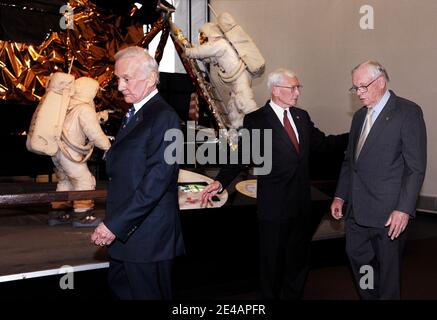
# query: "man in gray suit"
[[381, 177]]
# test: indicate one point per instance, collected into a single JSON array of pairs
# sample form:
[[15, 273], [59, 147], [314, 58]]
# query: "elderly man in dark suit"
[[142, 228], [381, 178], [283, 195]]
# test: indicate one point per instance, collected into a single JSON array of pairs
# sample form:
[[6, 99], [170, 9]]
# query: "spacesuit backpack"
[[242, 43], [48, 119]]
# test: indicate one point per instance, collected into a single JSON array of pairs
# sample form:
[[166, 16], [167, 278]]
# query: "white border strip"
[[50, 272]]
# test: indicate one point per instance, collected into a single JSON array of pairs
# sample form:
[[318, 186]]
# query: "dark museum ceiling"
[[30, 21]]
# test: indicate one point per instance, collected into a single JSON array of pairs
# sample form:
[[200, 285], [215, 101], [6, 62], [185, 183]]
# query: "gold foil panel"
[[92, 43]]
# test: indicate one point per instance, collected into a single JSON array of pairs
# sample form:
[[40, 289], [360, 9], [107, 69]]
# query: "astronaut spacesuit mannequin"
[[232, 70], [81, 131]]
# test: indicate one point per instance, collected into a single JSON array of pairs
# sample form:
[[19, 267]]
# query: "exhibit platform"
[[30, 248], [220, 260]]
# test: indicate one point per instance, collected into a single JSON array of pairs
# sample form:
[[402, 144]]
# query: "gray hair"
[[375, 68], [142, 56], [276, 76]]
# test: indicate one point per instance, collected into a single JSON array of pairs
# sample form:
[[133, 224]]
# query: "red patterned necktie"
[[290, 132]]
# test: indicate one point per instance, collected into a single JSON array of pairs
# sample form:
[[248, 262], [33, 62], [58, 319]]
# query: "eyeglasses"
[[292, 88], [362, 89]]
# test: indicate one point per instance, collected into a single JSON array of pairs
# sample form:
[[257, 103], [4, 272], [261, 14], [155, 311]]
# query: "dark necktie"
[[127, 117], [290, 132]]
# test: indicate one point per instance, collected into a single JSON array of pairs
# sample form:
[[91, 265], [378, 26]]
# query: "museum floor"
[[220, 260]]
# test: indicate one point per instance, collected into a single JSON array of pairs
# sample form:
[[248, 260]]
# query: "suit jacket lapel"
[[300, 130], [276, 125], [122, 133], [361, 116], [379, 125], [133, 123]]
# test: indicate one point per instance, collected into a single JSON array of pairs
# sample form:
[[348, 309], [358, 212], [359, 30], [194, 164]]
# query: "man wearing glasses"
[[381, 177], [283, 195]]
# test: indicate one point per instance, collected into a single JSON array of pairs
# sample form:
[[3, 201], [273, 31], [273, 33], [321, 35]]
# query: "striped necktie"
[[366, 129], [127, 117]]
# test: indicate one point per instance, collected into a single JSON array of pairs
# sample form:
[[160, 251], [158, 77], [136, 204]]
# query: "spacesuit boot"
[[59, 217], [85, 219]]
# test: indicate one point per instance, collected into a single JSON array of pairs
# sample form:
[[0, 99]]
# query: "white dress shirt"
[[138, 105], [379, 106], [280, 113]]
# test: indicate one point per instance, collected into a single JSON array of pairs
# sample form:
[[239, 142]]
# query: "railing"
[[46, 197]]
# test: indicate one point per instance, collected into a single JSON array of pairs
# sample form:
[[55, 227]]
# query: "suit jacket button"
[[110, 179]]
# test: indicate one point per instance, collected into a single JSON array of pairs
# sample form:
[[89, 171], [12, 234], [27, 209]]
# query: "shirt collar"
[[382, 102], [278, 109], [138, 105]]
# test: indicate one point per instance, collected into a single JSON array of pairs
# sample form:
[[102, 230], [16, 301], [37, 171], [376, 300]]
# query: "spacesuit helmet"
[[85, 89], [60, 80], [209, 30]]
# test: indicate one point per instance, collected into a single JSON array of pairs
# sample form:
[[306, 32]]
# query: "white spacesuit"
[[231, 70], [81, 131]]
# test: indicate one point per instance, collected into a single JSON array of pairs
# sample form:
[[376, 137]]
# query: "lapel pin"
[[297, 117], [388, 118]]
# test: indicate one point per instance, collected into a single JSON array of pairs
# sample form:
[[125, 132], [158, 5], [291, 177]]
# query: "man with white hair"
[[283, 195], [142, 228], [381, 177]]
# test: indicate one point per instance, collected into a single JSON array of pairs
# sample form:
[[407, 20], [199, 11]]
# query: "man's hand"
[[397, 221], [337, 208], [209, 192], [102, 236]]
